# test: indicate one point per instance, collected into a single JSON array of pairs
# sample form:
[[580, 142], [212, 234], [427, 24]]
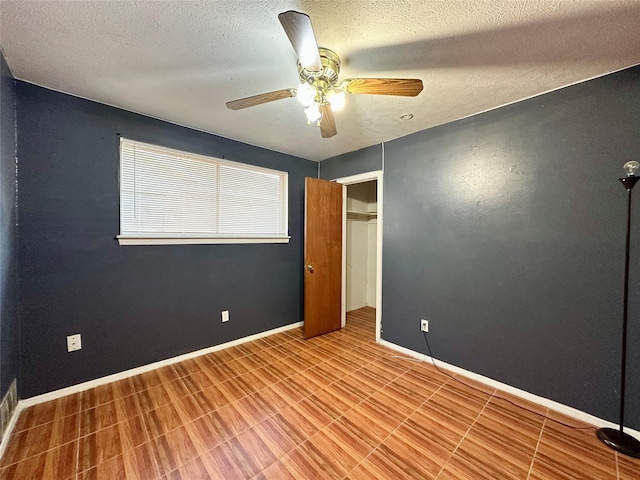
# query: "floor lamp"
[[617, 439]]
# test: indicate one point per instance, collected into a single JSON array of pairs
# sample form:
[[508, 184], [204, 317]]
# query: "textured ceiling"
[[181, 61]]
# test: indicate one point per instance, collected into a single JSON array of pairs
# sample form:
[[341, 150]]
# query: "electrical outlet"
[[225, 316], [74, 342], [424, 325]]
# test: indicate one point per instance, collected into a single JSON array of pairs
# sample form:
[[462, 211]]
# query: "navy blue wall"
[[506, 231], [367, 159], [132, 304], [9, 326]]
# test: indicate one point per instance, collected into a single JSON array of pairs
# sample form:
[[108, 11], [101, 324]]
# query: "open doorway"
[[362, 246]]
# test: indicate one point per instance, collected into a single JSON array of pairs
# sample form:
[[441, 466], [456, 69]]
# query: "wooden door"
[[322, 257]]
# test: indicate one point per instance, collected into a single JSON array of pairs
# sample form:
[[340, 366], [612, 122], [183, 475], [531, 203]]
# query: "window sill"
[[194, 240]]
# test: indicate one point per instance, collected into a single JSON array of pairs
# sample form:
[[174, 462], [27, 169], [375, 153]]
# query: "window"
[[170, 197]]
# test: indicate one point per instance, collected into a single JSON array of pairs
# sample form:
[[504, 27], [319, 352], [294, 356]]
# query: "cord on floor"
[[497, 396]]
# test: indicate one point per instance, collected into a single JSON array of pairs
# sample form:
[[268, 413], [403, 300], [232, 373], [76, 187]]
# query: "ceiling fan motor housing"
[[326, 78]]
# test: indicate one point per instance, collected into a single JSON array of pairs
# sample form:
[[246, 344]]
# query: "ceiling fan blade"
[[262, 98], [407, 87], [300, 32], [327, 122]]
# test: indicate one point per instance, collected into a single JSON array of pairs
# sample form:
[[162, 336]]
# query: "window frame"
[[164, 238]]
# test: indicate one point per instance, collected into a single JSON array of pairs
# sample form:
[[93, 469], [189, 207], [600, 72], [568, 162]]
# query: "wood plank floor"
[[336, 407]]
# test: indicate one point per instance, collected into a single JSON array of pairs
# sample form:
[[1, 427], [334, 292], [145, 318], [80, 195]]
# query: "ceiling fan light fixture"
[[313, 113], [336, 98], [306, 94]]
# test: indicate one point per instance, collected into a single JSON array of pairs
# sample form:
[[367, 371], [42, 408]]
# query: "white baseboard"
[[356, 307], [80, 387], [545, 402]]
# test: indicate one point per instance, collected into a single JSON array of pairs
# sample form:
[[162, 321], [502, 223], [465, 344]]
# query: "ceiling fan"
[[318, 69]]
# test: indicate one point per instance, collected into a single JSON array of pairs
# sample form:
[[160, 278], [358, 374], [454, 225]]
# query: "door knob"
[[309, 267]]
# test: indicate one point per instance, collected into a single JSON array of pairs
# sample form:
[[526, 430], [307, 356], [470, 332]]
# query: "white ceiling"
[[182, 60]]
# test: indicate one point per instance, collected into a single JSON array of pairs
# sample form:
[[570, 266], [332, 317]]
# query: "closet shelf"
[[362, 214]]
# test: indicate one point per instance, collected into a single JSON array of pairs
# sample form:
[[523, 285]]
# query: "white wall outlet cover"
[[225, 316], [424, 325], [74, 342]]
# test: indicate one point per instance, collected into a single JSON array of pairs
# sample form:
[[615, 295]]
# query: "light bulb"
[[313, 113], [336, 99], [631, 167], [306, 94]]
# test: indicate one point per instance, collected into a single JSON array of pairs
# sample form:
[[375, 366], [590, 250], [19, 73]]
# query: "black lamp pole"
[[617, 439]]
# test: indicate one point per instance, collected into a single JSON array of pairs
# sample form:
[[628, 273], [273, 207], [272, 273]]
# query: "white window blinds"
[[172, 195]]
